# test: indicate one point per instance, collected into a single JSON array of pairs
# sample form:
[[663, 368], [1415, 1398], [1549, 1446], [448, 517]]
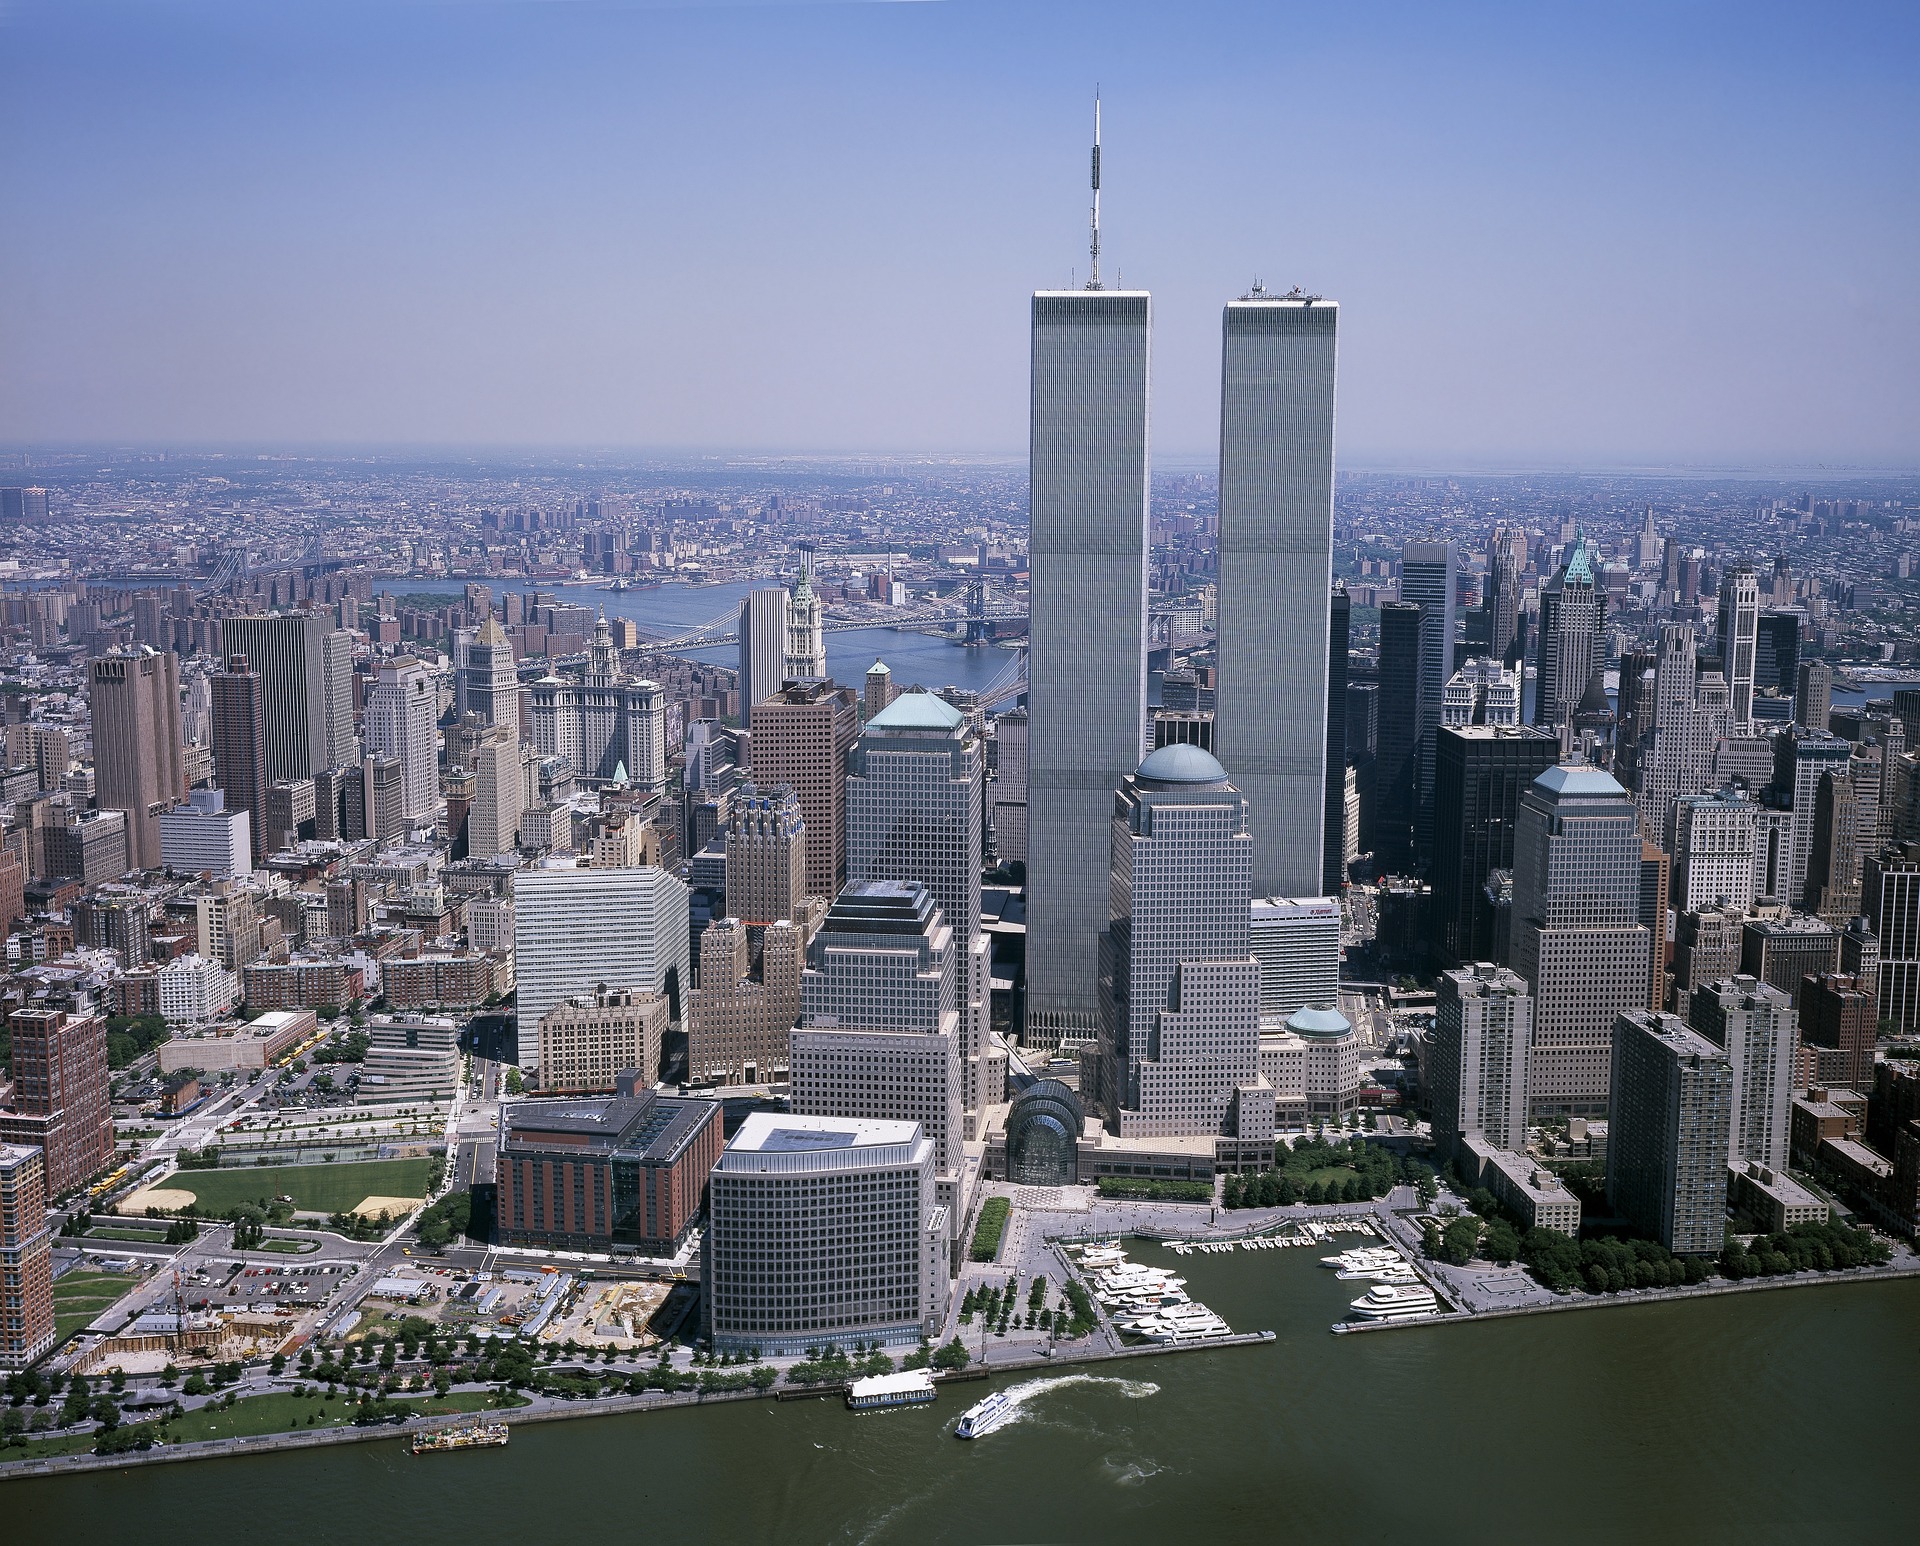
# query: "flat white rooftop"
[[777, 1133]]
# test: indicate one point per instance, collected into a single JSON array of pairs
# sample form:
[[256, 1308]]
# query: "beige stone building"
[[589, 1039]]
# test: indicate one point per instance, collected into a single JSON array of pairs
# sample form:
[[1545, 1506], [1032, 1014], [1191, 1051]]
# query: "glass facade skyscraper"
[[1276, 550], [1088, 655]]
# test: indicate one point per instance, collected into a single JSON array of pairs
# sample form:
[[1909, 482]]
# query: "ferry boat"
[[462, 1436], [983, 1417], [1395, 1302], [879, 1392]]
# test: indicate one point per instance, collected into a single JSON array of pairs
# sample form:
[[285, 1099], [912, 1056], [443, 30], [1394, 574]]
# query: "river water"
[[1753, 1417], [915, 659]]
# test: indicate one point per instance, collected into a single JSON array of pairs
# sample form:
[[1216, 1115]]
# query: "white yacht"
[[1181, 1323], [1363, 1256], [983, 1417], [1396, 1302]]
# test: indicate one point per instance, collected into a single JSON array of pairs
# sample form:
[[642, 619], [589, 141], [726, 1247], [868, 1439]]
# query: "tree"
[[953, 1356], [1503, 1242], [1459, 1241]]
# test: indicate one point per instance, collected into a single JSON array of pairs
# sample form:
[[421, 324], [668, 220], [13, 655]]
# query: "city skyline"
[[520, 302]]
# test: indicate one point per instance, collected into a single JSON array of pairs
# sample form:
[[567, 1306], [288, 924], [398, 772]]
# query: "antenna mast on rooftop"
[[1093, 245]]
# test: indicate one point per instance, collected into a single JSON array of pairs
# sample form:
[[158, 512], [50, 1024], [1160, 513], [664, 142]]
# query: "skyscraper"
[[1333, 824], [139, 759], [1801, 757], [1754, 1025], [1296, 940], [1179, 1035], [27, 1325], [1739, 637], [1481, 1033], [1428, 578], [915, 799], [879, 1031], [766, 856], [1577, 938], [805, 655], [60, 1099], [1891, 902], [240, 744], [1405, 628], [1813, 697], [499, 797], [1711, 838], [1276, 548], [1573, 613], [403, 711], [493, 683], [1480, 774], [1009, 790], [306, 688], [1088, 657], [763, 646], [800, 738], [1667, 1141], [1508, 556], [575, 930]]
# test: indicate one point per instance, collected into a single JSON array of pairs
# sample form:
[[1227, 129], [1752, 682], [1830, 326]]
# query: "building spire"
[[1093, 243]]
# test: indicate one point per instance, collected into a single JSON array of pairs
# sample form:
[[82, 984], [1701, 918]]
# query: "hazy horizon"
[[1563, 241]]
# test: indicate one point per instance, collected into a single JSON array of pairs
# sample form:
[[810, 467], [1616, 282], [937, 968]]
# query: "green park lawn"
[[313, 1188], [140, 1236], [288, 1247], [79, 1296]]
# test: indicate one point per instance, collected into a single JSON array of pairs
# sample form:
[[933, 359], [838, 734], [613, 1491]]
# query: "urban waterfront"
[[914, 658], [1585, 1426]]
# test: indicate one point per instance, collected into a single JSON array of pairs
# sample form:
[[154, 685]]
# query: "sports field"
[[79, 1296], [392, 1184]]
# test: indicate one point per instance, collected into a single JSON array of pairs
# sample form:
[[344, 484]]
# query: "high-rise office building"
[[805, 654], [1690, 718], [1275, 555], [1754, 1025], [499, 797], [1739, 628], [739, 1021], [1783, 951], [27, 1326], [1333, 835], [824, 1230], [492, 680], [1482, 1030], [1506, 558], [1577, 935], [1656, 876], [1088, 657], [879, 1031], [1833, 865], [1296, 940], [763, 646], [1573, 615], [1480, 774], [1008, 792], [1668, 1135], [60, 1102], [139, 759], [1711, 840], [1776, 656], [1405, 631], [1179, 1035], [1428, 577], [577, 930], [1813, 701], [1890, 900], [240, 744], [801, 736], [1801, 758], [915, 798], [203, 837], [766, 855], [1481, 692], [403, 713], [611, 728], [306, 689]]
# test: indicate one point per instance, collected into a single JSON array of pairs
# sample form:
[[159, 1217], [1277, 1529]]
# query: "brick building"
[[627, 1173], [60, 1094]]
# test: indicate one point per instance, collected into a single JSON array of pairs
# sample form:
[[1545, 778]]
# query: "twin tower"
[[1088, 566]]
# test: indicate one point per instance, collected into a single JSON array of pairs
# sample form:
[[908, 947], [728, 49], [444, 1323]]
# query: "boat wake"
[[1019, 1397]]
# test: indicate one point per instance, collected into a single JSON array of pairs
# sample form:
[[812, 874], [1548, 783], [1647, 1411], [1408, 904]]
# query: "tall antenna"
[[1093, 244]]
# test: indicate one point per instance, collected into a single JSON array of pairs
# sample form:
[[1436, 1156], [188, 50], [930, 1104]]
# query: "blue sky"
[[1587, 235]]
